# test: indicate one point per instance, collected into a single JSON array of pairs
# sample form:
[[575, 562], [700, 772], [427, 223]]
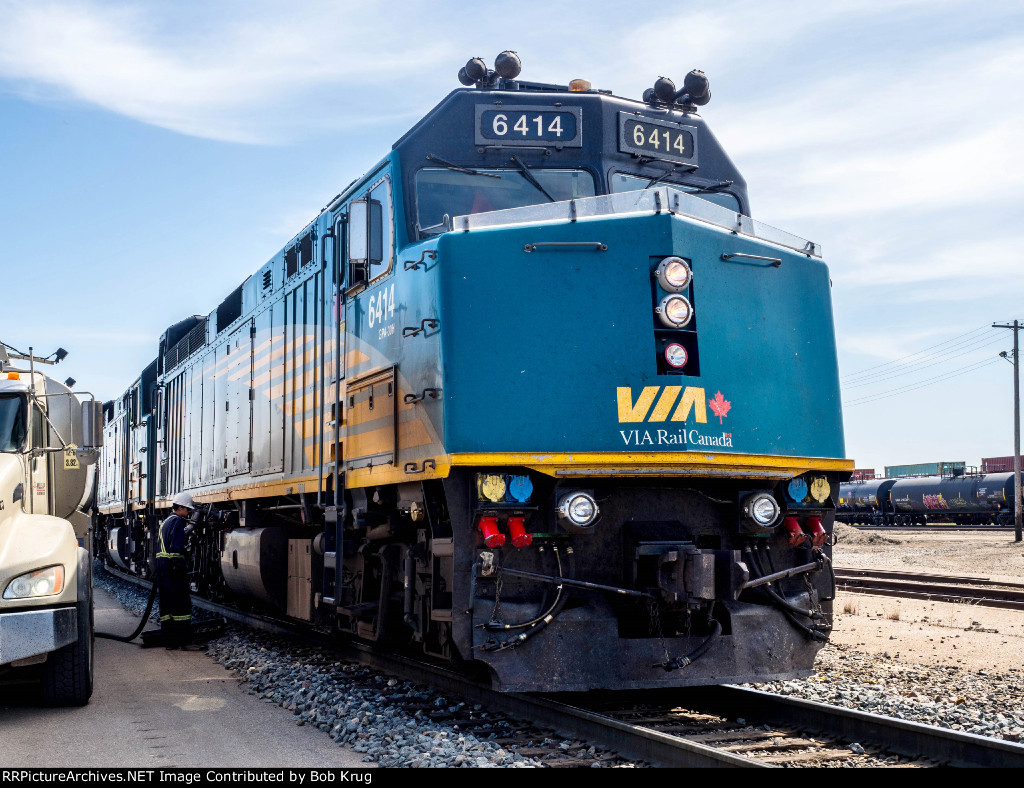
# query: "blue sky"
[[154, 154]]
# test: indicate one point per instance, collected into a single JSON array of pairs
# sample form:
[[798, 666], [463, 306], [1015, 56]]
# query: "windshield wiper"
[[660, 178], [529, 177], [720, 186], [457, 168], [691, 188], [664, 175]]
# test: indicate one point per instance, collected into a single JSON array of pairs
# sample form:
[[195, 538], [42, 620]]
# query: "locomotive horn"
[[696, 90], [475, 69], [508, 65], [697, 87]]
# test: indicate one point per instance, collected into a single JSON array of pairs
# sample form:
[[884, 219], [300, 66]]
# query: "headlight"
[[674, 311], [673, 274], [42, 582], [759, 511], [578, 509]]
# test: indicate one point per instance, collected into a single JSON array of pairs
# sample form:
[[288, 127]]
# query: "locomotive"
[[963, 499], [534, 396]]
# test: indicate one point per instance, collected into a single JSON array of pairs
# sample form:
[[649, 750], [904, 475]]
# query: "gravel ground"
[[981, 702], [942, 664]]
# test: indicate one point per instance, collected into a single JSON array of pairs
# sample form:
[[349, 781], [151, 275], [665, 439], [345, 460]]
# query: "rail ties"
[[980, 591]]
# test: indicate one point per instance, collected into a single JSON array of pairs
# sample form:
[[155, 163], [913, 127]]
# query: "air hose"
[[789, 610], [681, 662], [142, 622], [495, 625], [541, 622]]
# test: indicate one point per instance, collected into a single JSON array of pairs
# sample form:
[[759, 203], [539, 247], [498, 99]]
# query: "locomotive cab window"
[[370, 237], [441, 192], [622, 182]]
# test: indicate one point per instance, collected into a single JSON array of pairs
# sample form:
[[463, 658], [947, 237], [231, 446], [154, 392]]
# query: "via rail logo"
[[658, 404]]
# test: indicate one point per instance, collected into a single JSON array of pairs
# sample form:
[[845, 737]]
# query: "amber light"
[[579, 86], [13, 376]]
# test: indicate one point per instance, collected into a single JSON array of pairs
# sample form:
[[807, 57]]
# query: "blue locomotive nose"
[[558, 344]]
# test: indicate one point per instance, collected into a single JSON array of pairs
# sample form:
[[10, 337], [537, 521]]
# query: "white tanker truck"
[[48, 441]]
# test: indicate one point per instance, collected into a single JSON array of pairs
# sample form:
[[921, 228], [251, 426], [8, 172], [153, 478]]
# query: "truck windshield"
[[444, 192], [12, 422]]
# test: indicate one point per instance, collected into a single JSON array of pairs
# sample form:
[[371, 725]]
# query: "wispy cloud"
[[223, 77]]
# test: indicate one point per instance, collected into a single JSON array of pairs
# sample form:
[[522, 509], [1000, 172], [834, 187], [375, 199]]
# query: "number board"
[[657, 138], [529, 125]]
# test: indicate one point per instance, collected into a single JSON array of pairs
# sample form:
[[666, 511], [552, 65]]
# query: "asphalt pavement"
[[158, 708]]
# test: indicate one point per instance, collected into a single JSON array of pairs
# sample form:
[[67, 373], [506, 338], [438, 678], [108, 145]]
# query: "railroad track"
[[931, 528], [701, 726], [946, 588]]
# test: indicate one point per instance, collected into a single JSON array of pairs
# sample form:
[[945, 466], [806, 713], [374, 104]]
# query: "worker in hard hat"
[[172, 574]]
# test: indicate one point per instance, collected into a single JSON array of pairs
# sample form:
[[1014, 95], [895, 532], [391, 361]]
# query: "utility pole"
[[1016, 428]]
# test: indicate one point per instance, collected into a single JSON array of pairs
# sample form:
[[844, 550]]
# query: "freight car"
[[969, 499], [865, 502], [536, 394]]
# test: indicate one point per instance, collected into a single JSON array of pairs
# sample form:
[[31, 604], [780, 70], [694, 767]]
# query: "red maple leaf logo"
[[721, 406]]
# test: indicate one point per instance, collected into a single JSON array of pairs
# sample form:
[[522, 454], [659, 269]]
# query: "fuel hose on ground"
[[142, 622]]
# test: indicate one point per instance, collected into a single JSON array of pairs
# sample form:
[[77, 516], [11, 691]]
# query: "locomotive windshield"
[[442, 191], [621, 182], [12, 422]]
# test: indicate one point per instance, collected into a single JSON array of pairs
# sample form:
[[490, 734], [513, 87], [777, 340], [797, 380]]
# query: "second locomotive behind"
[[534, 394]]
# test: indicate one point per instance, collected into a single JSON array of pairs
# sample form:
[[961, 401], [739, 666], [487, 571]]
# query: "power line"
[[927, 362], [957, 342], [922, 384]]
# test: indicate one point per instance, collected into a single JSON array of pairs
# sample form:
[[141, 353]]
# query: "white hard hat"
[[183, 499]]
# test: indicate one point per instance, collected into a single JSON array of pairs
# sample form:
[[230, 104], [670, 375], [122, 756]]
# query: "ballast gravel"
[[983, 702]]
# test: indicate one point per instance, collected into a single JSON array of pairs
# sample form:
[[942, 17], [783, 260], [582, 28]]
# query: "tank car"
[[534, 395], [963, 500], [865, 502]]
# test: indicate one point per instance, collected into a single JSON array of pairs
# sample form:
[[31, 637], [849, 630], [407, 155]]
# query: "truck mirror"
[[92, 424]]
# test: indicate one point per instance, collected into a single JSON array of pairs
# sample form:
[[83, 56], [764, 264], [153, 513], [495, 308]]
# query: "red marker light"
[[517, 527], [489, 528], [675, 356]]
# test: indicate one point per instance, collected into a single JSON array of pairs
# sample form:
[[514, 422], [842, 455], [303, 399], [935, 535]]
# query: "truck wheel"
[[67, 673]]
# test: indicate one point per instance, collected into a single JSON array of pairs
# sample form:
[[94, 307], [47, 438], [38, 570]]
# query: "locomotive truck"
[[535, 395], [48, 450]]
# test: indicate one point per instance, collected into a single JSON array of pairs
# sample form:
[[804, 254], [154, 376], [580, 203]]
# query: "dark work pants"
[[175, 602]]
